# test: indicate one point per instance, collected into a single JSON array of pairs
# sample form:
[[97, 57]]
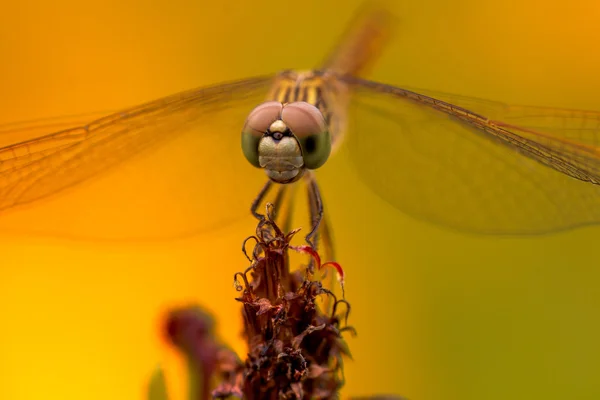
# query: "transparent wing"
[[181, 170], [17, 132], [476, 165]]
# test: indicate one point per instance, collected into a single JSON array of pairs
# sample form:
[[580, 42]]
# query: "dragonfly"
[[464, 163]]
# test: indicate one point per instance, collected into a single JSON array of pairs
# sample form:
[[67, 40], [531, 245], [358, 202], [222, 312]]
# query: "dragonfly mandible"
[[464, 163]]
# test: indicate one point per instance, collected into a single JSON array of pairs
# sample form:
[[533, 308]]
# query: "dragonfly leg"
[[286, 220], [327, 239], [328, 255], [315, 204], [258, 200], [324, 234], [278, 204]]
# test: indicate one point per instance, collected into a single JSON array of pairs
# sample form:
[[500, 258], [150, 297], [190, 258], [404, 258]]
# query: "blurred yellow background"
[[440, 315]]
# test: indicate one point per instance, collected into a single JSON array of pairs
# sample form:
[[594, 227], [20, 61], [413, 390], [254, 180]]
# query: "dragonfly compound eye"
[[308, 125], [257, 124]]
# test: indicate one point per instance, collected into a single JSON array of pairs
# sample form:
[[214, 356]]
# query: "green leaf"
[[157, 388]]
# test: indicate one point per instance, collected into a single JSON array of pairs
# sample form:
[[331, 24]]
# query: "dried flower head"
[[295, 349]]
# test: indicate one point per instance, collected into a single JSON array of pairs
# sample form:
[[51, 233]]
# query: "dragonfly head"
[[286, 139]]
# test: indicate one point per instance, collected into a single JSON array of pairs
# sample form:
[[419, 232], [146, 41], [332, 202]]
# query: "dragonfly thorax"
[[286, 139]]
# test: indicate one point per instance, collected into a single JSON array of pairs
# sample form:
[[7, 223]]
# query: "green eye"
[[315, 149], [308, 125], [250, 147], [256, 125]]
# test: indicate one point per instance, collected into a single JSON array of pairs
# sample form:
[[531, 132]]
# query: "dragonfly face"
[[286, 139]]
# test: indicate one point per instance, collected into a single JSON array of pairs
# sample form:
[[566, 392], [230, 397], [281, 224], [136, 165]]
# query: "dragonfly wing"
[[494, 169], [565, 139], [17, 132], [179, 158], [363, 42]]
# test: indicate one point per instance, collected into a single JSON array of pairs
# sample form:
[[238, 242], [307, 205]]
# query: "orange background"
[[440, 315]]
